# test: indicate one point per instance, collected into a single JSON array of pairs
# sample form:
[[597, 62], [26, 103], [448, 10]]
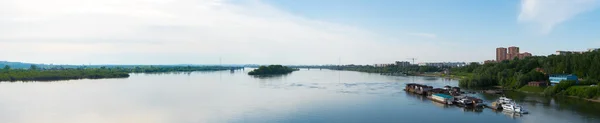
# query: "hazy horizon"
[[309, 32]]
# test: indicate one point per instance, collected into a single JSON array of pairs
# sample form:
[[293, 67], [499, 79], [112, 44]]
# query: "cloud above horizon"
[[546, 14], [187, 31]]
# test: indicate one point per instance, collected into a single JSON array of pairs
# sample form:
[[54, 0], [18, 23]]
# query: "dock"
[[447, 95]]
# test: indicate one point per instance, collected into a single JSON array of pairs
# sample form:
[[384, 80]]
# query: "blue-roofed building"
[[443, 98], [556, 78]]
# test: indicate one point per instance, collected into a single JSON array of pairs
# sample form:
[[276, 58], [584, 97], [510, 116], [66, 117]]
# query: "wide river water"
[[233, 96]]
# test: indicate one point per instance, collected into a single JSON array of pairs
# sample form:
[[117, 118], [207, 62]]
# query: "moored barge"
[[442, 98]]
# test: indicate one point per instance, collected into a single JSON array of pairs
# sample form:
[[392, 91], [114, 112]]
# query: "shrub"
[[589, 82], [587, 92], [563, 85]]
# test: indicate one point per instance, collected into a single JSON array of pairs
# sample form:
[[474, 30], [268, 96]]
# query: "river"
[[232, 96]]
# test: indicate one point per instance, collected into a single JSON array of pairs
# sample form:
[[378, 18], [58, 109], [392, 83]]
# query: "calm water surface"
[[303, 96]]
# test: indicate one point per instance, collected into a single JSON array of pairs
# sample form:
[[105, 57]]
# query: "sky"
[[289, 31]]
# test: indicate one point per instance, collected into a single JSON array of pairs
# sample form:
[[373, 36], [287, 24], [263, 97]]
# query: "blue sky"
[[289, 32], [486, 23]]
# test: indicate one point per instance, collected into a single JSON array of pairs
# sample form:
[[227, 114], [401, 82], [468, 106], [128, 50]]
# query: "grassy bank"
[[450, 76], [54, 75], [587, 92], [532, 89]]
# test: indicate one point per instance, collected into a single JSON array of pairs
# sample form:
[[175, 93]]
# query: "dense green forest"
[[413, 69], [518, 72], [271, 70], [35, 73]]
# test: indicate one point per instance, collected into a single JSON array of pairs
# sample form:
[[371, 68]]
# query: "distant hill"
[[16, 65]]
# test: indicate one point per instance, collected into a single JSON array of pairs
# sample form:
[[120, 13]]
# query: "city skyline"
[[510, 53], [288, 32]]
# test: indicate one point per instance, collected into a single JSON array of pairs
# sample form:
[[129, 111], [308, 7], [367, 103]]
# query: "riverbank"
[[524, 89], [531, 89], [437, 74], [57, 74], [592, 100], [540, 91]]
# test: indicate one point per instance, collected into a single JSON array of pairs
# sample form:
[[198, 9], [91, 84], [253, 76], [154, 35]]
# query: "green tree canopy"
[[518, 72]]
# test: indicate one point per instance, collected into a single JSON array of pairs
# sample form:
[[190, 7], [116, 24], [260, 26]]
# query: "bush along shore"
[[35, 73], [573, 89]]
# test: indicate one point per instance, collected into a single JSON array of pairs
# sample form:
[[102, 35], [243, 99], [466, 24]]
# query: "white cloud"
[[548, 13], [426, 35], [186, 31]]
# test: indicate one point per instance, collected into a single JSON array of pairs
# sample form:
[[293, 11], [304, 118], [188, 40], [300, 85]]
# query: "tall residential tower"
[[500, 54], [513, 52]]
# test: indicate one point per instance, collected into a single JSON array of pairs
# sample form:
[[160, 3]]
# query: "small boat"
[[509, 105], [465, 101], [514, 107], [495, 105], [505, 100]]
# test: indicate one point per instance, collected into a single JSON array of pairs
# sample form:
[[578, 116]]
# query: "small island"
[[272, 70]]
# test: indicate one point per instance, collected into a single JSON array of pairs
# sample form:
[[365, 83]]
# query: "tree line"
[[412, 69], [35, 73]]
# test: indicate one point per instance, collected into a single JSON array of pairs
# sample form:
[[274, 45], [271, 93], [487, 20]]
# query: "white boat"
[[510, 105], [513, 107], [505, 100]]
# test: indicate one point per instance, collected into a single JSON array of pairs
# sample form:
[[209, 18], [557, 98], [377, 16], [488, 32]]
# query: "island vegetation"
[[35, 73], [515, 74], [272, 70]]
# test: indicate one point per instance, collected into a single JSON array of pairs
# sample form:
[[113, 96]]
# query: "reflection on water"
[[233, 96], [441, 105], [473, 109], [270, 76], [511, 114]]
